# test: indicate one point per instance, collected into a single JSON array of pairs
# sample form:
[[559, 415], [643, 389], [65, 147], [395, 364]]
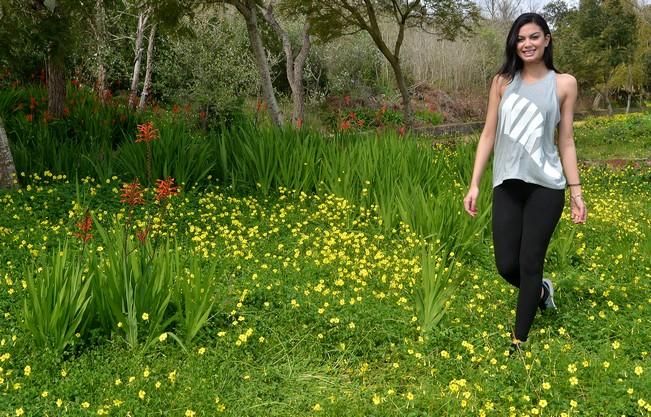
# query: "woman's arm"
[[568, 91], [485, 145]]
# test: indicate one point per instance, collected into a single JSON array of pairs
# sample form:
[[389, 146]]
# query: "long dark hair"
[[512, 62]]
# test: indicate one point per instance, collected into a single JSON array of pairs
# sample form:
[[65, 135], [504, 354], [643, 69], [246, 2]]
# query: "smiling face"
[[532, 42]]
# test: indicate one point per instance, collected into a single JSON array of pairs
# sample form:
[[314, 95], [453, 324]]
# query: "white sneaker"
[[549, 302]]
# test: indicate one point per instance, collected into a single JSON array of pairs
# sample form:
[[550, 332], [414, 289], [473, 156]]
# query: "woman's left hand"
[[579, 210]]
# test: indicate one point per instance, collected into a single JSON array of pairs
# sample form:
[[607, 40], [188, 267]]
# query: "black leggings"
[[524, 218]]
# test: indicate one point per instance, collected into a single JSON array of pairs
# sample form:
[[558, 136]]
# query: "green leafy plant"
[[57, 299], [437, 284], [195, 292]]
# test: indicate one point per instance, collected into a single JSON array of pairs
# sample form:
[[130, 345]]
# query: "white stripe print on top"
[[528, 130]]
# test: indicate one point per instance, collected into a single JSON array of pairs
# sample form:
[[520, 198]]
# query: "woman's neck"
[[534, 71]]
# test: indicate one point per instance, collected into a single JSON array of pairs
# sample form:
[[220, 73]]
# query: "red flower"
[[202, 115], [165, 189], [132, 194], [32, 103], [85, 225], [299, 123], [175, 108], [402, 130], [29, 117], [147, 132], [345, 125], [346, 100], [142, 234]]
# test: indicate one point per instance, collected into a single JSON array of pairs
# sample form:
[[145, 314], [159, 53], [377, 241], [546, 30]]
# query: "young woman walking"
[[529, 129]]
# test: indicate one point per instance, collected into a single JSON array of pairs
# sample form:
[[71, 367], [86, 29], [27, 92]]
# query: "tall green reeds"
[[407, 181], [57, 299]]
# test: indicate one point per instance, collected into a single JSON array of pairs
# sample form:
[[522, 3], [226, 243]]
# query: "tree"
[[555, 11], [210, 66], [143, 17], [595, 39], [165, 14], [294, 63], [51, 27], [334, 18], [7, 167], [249, 9], [502, 10]]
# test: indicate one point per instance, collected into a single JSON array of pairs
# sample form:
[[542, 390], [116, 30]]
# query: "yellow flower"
[[44, 394], [189, 413], [377, 399], [145, 316], [410, 396], [546, 385], [573, 404], [639, 370], [317, 407], [542, 403], [141, 394], [28, 370], [85, 404], [574, 381], [616, 345], [162, 337], [20, 411]]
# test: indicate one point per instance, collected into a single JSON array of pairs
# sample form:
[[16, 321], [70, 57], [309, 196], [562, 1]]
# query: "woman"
[[529, 101]]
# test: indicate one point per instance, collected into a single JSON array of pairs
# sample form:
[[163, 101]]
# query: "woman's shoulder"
[[566, 81], [500, 82]]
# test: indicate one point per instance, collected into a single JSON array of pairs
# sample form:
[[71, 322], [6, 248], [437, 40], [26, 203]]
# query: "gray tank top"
[[525, 148]]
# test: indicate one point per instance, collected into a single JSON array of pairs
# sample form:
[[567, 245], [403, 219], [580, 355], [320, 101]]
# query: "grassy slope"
[[361, 354]]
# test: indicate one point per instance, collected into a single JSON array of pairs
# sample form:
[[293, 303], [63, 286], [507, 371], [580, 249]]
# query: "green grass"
[[625, 137], [315, 314]]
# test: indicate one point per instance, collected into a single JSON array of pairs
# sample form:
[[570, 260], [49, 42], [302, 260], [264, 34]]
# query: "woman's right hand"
[[470, 201]]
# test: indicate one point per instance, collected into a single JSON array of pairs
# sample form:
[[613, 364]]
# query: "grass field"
[[314, 315]]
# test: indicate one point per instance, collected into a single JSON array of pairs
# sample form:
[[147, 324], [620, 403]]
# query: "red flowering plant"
[[165, 189], [84, 226], [147, 133]]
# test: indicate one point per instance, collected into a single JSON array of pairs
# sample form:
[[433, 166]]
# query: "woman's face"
[[532, 42]]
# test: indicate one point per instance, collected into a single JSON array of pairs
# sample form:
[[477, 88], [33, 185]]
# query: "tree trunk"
[[404, 92], [630, 89], [394, 60], [7, 167], [146, 89], [133, 92], [248, 9], [294, 66], [56, 84], [609, 105]]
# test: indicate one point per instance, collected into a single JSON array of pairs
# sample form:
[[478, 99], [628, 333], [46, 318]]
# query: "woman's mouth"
[[529, 53]]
